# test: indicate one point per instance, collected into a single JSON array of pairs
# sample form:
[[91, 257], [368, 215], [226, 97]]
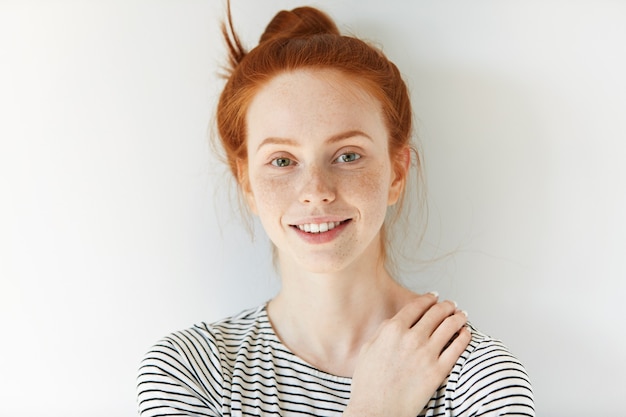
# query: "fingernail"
[[434, 293], [465, 313]]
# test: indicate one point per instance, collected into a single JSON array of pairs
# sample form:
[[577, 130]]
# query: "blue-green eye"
[[348, 157], [281, 162]]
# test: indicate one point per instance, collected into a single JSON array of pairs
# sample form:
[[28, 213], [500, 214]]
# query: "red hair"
[[306, 38]]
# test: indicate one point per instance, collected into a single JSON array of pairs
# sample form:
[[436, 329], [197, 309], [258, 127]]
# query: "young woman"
[[316, 128]]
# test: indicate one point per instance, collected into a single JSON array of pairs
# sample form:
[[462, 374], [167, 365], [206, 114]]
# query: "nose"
[[317, 188]]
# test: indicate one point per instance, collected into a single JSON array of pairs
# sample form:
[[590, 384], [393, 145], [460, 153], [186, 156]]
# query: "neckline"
[[264, 317]]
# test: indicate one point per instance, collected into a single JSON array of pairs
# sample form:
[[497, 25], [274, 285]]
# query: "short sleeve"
[[181, 376], [491, 382]]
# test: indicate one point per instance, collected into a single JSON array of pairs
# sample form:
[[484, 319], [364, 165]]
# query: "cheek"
[[368, 190], [372, 187], [268, 195]]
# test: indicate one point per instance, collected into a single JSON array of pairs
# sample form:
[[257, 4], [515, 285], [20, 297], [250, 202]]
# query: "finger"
[[448, 330], [435, 315], [414, 310], [451, 354]]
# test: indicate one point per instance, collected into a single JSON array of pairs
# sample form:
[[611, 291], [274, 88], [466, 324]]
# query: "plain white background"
[[116, 225]]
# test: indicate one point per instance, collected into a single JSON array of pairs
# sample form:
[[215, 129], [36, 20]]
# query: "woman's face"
[[319, 173]]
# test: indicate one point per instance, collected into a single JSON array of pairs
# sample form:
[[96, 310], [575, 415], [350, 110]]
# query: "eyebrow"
[[335, 138]]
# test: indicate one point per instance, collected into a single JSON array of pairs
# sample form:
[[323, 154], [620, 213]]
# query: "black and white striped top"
[[239, 367]]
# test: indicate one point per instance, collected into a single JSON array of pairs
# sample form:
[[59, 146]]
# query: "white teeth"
[[318, 227]]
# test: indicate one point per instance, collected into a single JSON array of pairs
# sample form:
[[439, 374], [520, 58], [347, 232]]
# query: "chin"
[[328, 263], [320, 264], [329, 260]]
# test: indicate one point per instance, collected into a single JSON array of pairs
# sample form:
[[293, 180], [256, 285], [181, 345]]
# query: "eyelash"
[[356, 157], [288, 161], [276, 164]]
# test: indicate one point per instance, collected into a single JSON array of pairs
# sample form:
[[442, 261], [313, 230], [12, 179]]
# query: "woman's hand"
[[411, 354]]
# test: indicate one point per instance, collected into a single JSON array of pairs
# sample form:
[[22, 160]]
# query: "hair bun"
[[298, 23]]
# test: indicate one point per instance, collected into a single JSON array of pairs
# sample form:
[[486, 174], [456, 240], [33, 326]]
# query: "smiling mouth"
[[319, 227]]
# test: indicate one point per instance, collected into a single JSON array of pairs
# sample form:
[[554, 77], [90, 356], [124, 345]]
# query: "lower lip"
[[322, 237]]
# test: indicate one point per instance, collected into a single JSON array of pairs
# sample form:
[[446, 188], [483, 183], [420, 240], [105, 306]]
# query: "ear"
[[244, 182], [399, 171]]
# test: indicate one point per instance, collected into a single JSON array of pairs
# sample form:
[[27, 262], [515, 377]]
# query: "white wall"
[[115, 228]]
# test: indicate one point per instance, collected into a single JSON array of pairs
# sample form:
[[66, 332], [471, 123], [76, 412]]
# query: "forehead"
[[313, 102]]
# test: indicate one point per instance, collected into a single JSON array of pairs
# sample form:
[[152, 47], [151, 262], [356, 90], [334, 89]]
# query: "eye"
[[348, 157], [281, 162]]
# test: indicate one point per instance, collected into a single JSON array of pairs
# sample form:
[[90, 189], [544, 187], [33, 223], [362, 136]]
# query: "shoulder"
[[489, 380], [187, 366], [213, 338], [225, 334]]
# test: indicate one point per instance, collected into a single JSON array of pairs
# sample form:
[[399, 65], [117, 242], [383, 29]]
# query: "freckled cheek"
[[366, 190], [271, 196], [372, 188]]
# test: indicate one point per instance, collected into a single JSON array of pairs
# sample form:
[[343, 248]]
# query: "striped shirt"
[[239, 367]]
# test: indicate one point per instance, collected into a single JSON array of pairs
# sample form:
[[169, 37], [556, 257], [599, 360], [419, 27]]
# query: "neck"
[[325, 318]]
